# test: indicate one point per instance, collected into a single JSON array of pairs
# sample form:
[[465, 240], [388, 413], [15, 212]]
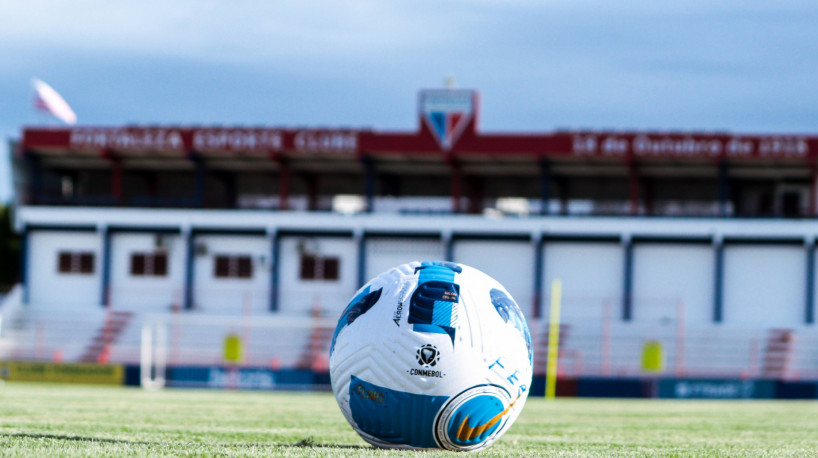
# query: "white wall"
[[47, 287], [509, 262], [298, 296], [591, 274], [150, 294], [384, 253], [232, 295], [673, 282], [764, 286]]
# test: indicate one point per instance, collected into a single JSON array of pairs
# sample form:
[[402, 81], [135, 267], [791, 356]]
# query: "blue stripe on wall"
[[627, 289], [106, 268], [718, 279], [189, 253], [275, 254], [809, 312], [539, 270], [361, 239]]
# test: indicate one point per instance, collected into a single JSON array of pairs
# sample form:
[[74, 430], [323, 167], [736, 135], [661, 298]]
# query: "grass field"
[[69, 420]]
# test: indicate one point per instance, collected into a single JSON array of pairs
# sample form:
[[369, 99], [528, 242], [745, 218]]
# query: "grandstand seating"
[[778, 353], [586, 349], [98, 350], [588, 346]]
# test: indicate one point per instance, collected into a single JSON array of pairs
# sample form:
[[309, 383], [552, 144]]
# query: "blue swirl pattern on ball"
[[432, 305], [359, 305], [510, 311], [476, 420]]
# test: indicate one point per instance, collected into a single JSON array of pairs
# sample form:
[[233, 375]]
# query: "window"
[[244, 268], [75, 262], [149, 264], [314, 267], [307, 267], [226, 266]]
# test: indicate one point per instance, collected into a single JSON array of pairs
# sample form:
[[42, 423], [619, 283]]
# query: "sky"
[[747, 66]]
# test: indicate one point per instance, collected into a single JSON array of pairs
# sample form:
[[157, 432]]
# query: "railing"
[[605, 347], [421, 205]]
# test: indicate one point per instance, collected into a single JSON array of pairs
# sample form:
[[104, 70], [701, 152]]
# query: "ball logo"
[[476, 417], [428, 355], [467, 433]]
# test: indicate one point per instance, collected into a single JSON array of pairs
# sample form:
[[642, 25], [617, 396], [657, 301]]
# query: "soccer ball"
[[431, 355]]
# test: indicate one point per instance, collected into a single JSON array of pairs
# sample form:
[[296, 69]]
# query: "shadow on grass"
[[309, 442], [76, 438]]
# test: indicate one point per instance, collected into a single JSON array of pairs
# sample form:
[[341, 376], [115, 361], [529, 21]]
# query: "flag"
[[46, 99]]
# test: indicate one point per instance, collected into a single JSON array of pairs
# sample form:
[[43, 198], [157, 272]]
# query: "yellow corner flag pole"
[[553, 340]]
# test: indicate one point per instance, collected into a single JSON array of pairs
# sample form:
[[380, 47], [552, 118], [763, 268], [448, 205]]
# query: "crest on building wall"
[[447, 113]]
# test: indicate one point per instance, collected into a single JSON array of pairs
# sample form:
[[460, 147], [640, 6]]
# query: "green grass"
[[69, 420]]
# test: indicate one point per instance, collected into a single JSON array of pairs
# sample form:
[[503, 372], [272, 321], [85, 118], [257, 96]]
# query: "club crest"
[[447, 112]]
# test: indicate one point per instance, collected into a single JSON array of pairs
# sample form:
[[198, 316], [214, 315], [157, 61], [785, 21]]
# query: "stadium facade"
[[701, 241]]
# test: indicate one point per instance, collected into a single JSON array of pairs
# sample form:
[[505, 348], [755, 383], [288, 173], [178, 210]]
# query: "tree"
[[9, 250]]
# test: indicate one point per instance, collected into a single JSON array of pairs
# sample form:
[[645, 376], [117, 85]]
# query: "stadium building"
[[681, 254]]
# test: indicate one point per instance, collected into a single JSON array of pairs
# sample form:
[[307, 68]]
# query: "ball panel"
[[433, 304], [393, 416]]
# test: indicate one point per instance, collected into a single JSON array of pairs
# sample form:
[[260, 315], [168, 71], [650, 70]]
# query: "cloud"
[[231, 31], [538, 64]]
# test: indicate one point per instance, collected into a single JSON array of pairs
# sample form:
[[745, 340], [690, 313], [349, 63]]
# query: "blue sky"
[[738, 65]]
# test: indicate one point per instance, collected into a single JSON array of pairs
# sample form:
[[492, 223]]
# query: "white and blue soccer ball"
[[431, 355]]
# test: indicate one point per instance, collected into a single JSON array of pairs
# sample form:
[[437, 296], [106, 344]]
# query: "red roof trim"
[[228, 141]]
